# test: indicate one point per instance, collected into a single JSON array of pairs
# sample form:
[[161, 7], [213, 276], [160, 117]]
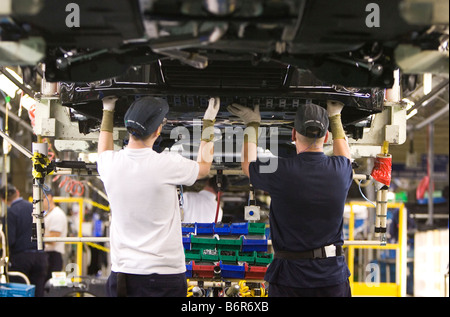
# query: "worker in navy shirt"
[[23, 254], [308, 194]]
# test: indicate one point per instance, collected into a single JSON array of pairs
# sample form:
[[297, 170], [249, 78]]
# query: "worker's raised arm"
[[105, 140], [206, 149], [252, 120], [340, 144], [249, 154]]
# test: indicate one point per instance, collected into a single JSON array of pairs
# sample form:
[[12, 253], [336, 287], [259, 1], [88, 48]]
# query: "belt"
[[319, 253]]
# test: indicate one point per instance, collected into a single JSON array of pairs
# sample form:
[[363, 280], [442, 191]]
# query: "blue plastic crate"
[[187, 242], [254, 243], [187, 228], [204, 228], [16, 290], [232, 271], [222, 229], [239, 228], [189, 269]]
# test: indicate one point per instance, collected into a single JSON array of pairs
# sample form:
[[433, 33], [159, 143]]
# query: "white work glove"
[[213, 109], [246, 114], [334, 107], [109, 103]]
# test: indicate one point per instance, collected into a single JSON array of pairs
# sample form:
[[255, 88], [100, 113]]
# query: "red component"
[[218, 207], [382, 169]]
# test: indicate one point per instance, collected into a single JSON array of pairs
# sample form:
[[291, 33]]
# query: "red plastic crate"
[[203, 269], [255, 272]]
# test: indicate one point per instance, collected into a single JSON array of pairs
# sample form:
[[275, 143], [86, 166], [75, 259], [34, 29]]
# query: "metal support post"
[[381, 214], [40, 164], [430, 171]]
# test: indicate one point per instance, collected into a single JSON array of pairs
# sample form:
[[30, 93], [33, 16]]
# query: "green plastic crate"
[[210, 255], [229, 256], [203, 242], [192, 255], [229, 243], [248, 257], [263, 258], [256, 228]]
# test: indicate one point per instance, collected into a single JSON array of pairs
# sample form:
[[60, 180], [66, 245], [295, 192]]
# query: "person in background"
[[24, 256], [202, 206], [56, 225]]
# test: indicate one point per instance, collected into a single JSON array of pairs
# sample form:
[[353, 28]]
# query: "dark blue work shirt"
[[20, 226], [308, 194]]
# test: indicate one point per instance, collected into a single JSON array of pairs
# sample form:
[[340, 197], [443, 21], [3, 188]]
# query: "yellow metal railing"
[[80, 201], [366, 288]]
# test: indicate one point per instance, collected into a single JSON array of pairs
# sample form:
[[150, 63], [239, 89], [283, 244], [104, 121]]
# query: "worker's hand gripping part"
[[252, 120], [106, 142], [340, 144], [206, 150]]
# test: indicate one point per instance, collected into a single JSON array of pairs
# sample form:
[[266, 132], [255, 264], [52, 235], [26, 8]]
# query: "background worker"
[[23, 253], [308, 194], [147, 255], [56, 225], [202, 206]]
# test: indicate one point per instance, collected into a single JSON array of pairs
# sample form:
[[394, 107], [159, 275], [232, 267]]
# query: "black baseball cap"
[[145, 115], [311, 121]]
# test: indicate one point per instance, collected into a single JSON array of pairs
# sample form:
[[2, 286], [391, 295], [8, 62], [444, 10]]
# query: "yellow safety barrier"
[[80, 201], [373, 288]]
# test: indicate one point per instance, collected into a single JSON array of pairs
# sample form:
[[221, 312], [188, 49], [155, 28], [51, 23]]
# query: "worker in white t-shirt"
[[147, 255], [56, 225], [202, 206]]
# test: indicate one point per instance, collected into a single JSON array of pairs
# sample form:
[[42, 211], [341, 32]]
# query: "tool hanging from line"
[[42, 167], [219, 180], [252, 212], [381, 173]]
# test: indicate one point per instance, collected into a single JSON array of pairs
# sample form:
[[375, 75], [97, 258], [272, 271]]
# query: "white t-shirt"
[[200, 207], [145, 233], [56, 220]]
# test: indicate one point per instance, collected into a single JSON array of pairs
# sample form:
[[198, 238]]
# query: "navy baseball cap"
[[145, 115], [311, 121], [8, 188]]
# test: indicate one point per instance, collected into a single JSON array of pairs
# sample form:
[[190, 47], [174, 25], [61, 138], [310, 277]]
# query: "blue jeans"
[[152, 285]]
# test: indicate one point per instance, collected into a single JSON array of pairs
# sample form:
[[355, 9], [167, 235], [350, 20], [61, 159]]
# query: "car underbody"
[[275, 54]]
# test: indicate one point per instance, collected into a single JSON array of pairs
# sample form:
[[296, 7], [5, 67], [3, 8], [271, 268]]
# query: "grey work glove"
[[334, 107], [209, 118], [109, 103], [251, 118], [213, 109], [246, 114]]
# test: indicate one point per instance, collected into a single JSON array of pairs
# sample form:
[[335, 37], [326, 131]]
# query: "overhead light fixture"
[[427, 83], [7, 85]]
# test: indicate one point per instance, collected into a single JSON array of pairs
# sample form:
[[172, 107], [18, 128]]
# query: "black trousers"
[[152, 285], [55, 263], [340, 290], [34, 264]]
